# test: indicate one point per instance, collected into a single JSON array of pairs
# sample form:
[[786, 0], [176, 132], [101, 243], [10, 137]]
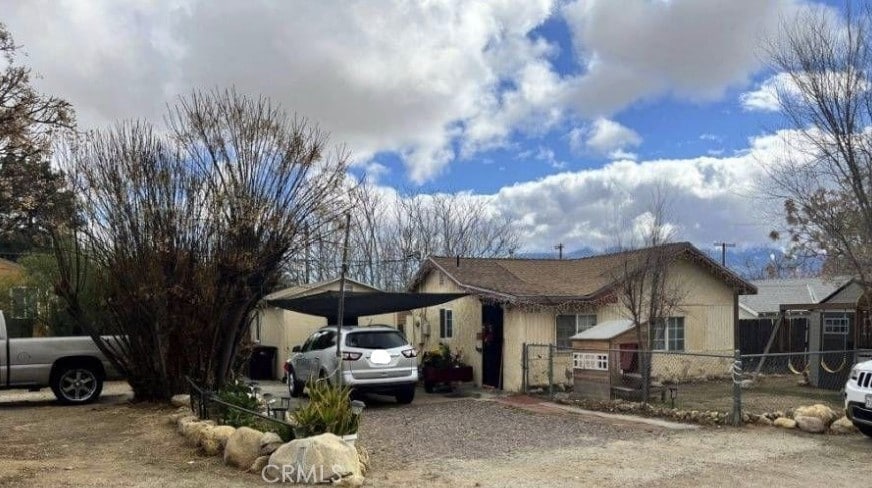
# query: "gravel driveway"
[[435, 441]]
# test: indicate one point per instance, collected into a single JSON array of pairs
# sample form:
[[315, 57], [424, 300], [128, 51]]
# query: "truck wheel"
[[76, 384], [405, 395], [295, 387], [865, 429]]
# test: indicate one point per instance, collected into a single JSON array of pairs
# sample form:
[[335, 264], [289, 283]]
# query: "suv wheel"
[[77, 385], [405, 395], [295, 387]]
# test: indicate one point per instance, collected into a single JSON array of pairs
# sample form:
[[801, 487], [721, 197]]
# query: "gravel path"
[[435, 442], [472, 443]]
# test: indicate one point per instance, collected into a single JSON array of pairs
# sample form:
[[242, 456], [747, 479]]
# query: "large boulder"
[[243, 447], [213, 440], [784, 423], [317, 459], [822, 412], [811, 425], [269, 442], [181, 400], [842, 426], [258, 464]]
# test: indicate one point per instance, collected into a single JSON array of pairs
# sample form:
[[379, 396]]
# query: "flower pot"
[[434, 376], [350, 439]]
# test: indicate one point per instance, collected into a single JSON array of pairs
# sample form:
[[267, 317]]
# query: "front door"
[[492, 345]]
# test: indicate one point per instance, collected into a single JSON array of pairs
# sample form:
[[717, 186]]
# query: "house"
[[284, 329], [513, 302], [825, 322], [758, 314]]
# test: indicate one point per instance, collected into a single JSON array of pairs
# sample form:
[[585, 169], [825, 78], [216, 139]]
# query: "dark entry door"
[[492, 345]]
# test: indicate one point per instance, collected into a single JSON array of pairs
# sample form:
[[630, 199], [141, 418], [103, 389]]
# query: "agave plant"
[[328, 410]]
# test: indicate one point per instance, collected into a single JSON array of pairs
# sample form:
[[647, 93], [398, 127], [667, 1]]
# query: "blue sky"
[[563, 115]]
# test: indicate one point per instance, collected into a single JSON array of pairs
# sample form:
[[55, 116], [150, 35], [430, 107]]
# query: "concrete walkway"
[[536, 405]]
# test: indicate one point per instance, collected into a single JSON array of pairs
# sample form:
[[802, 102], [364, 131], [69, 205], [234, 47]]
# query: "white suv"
[[375, 359], [858, 397]]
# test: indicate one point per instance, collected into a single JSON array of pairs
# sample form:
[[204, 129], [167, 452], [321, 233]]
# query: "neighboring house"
[[513, 302], [759, 313], [284, 329], [820, 325]]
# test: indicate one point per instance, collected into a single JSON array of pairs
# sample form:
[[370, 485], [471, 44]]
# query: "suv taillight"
[[410, 353], [351, 356], [287, 367]]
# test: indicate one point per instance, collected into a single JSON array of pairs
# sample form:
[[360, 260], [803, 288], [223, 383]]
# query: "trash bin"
[[262, 365]]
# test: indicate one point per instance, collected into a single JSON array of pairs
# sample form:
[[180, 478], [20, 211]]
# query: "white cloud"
[[381, 75], [636, 49], [769, 94], [764, 98], [711, 197], [605, 137], [434, 82]]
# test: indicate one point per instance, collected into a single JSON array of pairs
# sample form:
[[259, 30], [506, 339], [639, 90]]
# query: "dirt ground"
[[466, 442], [769, 393]]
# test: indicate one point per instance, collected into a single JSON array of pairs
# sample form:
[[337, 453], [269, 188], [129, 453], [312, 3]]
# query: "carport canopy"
[[361, 304]]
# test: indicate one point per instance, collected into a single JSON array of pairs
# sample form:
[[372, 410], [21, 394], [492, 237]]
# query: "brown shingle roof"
[[546, 280]]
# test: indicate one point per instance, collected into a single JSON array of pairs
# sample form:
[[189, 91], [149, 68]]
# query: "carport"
[[360, 304]]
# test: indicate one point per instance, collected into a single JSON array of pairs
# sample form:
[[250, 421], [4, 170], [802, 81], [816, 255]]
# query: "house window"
[[569, 325], [586, 360], [446, 323], [836, 324], [668, 335]]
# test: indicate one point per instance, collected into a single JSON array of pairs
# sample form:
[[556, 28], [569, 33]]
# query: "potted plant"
[[329, 409], [440, 365]]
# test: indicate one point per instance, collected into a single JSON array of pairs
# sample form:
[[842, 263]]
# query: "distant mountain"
[[746, 262]]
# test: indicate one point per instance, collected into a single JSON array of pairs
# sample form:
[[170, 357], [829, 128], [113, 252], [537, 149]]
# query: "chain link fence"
[[728, 383], [781, 381]]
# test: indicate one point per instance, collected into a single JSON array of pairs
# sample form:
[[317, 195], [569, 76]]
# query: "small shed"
[[603, 357]]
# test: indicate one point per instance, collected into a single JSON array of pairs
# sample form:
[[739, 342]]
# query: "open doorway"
[[492, 346]]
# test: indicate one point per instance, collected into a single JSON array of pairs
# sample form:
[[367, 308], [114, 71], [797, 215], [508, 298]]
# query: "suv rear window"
[[381, 339]]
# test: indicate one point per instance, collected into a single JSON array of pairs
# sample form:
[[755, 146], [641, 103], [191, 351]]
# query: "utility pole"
[[724, 246], [340, 315], [308, 257], [559, 248]]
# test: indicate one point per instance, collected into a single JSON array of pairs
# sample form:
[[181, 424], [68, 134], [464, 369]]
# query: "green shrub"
[[239, 394], [328, 410]]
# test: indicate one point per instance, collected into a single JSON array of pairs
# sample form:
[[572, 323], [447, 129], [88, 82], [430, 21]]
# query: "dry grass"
[[768, 394]]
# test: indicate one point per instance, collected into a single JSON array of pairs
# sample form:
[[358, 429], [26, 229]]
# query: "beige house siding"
[[707, 308], [285, 329], [466, 313]]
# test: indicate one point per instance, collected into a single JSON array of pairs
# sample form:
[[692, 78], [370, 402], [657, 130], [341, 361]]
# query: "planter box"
[[434, 376]]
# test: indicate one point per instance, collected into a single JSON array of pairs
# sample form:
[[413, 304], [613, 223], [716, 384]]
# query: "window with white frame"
[[446, 323], [836, 324], [569, 325], [668, 335], [588, 360]]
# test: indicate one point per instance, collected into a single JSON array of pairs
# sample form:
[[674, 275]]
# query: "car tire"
[[429, 387], [865, 429], [295, 387], [405, 395], [77, 384]]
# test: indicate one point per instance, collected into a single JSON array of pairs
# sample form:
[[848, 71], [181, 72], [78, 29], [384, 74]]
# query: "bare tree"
[[391, 233], [779, 265], [189, 228], [646, 293], [825, 181], [32, 193]]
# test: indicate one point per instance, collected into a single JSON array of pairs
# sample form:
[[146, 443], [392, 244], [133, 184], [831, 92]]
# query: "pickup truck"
[[73, 367]]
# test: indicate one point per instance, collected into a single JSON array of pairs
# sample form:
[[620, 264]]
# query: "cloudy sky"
[[564, 114]]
